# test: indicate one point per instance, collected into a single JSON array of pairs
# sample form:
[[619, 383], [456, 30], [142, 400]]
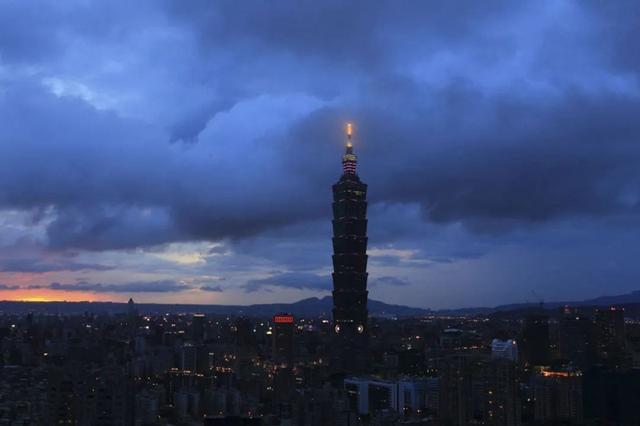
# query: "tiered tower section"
[[350, 327]]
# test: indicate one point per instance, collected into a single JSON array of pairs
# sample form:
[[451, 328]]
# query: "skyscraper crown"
[[349, 159]]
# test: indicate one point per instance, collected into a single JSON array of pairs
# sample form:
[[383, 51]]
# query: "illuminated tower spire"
[[349, 159], [350, 315]]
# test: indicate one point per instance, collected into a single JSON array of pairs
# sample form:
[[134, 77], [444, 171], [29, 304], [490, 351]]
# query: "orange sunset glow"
[[47, 295], [26, 279]]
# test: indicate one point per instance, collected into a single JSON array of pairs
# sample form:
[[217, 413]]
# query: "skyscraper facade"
[[610, 335], [283, 339], [283, 357], [350, 328], [535, 339]]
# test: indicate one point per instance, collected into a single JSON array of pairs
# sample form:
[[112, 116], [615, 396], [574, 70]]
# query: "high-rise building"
[[504, 349], [188, 357], [84, 395], [610, 335], [197, 327], [558, 396], [576, 337], [283, 339], [455, 393], [350, 328], [611, 396], [535, 340], [283, 357], [405, 396], [131, 308], [495, 393], [132, 317], [370, 395]]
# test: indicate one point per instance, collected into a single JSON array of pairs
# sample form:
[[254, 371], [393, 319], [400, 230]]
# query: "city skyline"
[[283, 213], [183, 153]]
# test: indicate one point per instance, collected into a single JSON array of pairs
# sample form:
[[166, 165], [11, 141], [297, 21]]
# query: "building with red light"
[[283, 330], [283, 358]]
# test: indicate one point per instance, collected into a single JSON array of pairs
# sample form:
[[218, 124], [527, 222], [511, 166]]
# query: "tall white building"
[[369, 394], [504, 349]]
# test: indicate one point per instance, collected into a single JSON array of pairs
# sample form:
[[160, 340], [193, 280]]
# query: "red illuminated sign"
[[283, 319]]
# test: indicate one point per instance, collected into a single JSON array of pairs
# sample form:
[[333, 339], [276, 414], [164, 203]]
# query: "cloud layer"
[[164, 286], [485, 132]]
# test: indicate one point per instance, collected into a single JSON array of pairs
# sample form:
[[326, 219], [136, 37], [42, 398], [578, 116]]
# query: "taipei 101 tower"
[[350, 327]]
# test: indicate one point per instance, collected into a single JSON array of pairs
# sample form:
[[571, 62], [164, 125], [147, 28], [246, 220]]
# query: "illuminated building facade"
[[350, 328], [504, 349]]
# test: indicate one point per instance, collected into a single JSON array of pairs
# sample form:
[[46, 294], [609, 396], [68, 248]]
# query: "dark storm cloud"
[[38, 265], [192, 122], [554, 136], [162, 286], [28, 255], [342, 33], [216, 250], [296, 280], [114, 192], [103, 227], [39, 33], [212, 288], [8, 287], [572, 157], [390, 281]]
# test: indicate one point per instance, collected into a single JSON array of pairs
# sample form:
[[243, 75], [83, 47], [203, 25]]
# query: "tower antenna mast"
[[349, 159]]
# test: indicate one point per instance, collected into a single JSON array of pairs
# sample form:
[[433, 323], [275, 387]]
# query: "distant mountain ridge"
[[312, 306], [623, 299]]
